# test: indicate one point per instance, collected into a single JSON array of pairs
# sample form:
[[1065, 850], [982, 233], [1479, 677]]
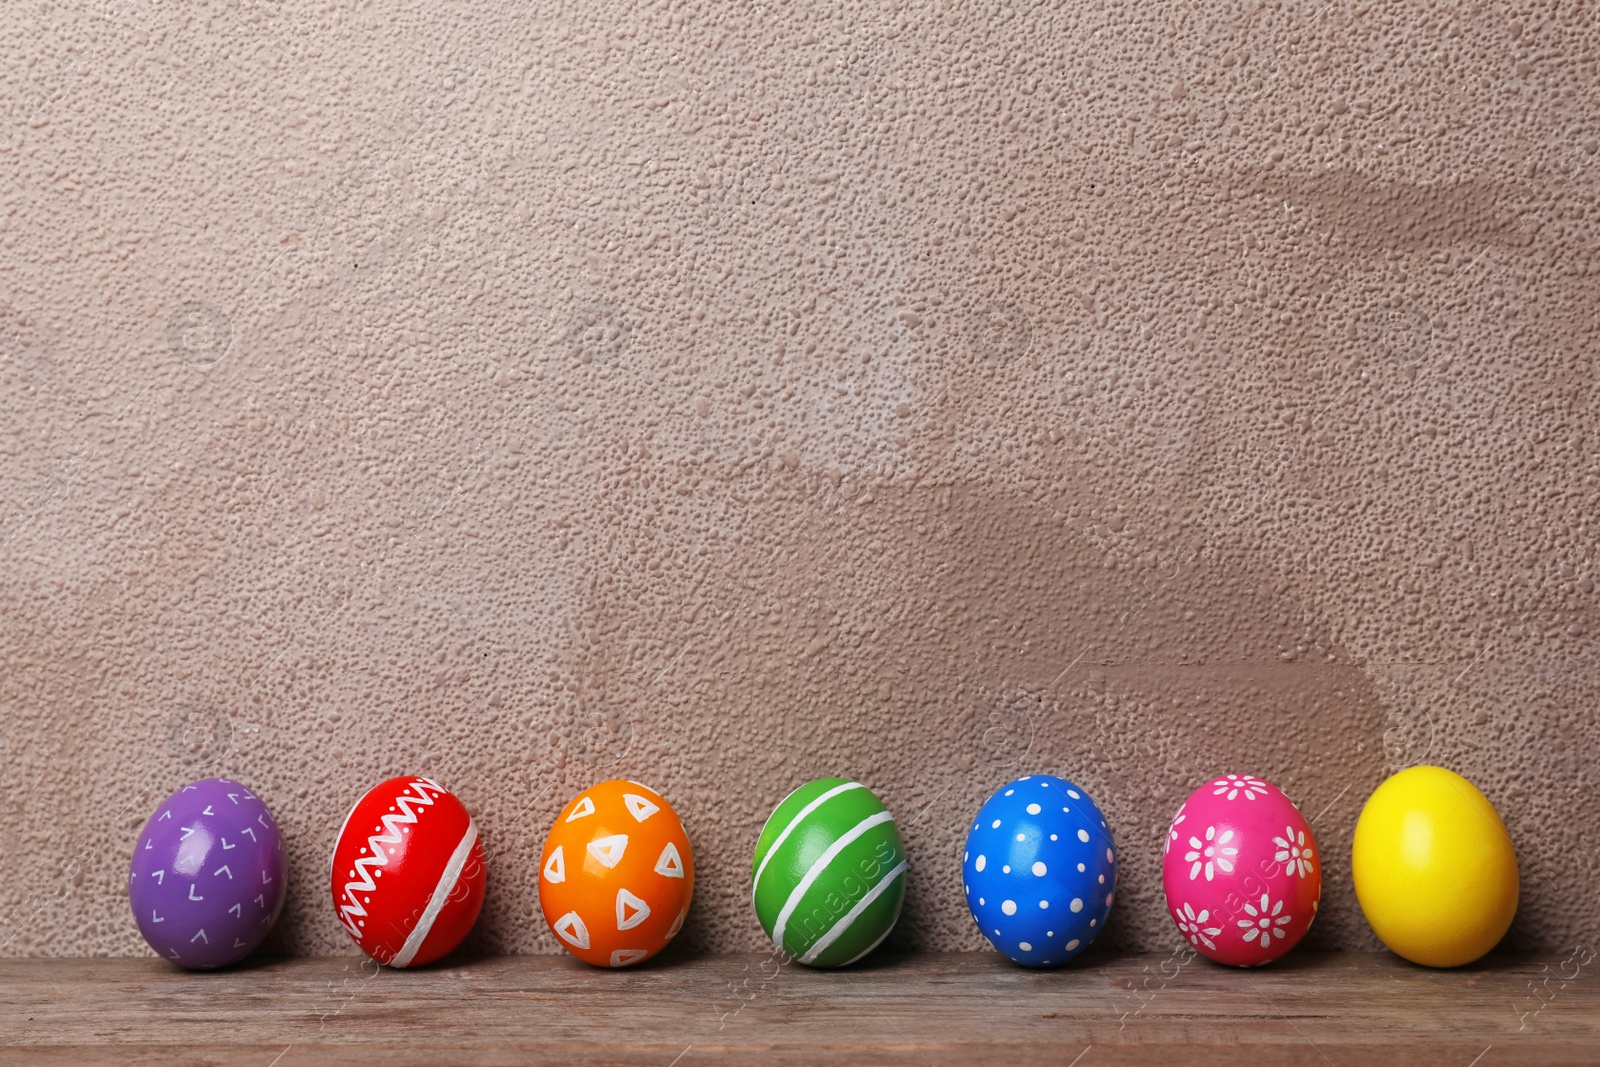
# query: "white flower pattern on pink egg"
[[1265, 924], [1293, 852], [1194, 926], [1212, 855], [1172, 831], [1236, 784]]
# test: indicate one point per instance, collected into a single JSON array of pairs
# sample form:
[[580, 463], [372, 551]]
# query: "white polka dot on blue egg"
[[1040, 870]]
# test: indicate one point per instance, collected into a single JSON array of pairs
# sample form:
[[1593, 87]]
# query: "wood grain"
[[922, 1010]]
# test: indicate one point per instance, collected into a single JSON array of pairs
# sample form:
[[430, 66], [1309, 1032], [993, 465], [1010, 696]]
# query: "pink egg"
[[1242, 872]]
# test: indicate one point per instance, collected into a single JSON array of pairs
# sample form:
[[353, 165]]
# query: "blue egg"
[[1040, 870]]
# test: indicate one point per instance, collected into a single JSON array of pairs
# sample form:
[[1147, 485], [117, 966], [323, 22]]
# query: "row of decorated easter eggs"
[[1433, 866]]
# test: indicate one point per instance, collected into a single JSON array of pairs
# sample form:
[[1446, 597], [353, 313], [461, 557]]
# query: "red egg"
[[408, 872], [1241, 871]]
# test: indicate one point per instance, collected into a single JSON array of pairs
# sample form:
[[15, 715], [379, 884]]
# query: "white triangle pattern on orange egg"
[[609, 850], [670, 864], [640, 808], [585, 807], [631, 911], [571, 929]]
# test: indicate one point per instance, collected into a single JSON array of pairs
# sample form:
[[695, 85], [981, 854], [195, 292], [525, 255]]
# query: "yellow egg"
[[1434, 868]]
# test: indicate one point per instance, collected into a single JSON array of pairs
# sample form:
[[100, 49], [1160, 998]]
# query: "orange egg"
[[617, 874]]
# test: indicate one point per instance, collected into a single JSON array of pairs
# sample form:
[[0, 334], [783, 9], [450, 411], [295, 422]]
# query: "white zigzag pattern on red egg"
[[352, 910]]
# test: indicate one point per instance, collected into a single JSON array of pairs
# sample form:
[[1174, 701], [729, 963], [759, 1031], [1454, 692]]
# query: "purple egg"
[[207, 880]]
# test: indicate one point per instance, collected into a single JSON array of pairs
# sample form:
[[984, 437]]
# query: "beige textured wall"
[[728, 394]]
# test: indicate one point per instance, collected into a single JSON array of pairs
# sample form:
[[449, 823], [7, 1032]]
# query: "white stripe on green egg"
[[828, 875]]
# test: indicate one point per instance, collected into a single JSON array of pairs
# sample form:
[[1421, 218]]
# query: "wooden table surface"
[[1356, 1009]]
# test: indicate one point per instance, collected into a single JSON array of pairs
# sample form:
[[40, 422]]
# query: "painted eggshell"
[[828, 875], [408, 872], [1040, 870], [207, 879], [617, 874], [1242, 872], [1434, 868]]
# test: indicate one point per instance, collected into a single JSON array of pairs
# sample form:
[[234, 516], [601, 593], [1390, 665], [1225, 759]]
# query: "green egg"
[[829, 874]]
